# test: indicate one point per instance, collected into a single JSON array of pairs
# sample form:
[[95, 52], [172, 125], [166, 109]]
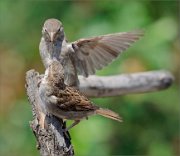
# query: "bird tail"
[[109, 114]]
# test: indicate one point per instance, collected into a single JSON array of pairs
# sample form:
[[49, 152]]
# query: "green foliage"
[[151, 120]]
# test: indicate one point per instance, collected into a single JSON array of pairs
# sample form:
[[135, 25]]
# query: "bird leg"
[[72, 125]]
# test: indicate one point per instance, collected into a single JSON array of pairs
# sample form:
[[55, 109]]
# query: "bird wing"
[[96, 52], [72, 100]]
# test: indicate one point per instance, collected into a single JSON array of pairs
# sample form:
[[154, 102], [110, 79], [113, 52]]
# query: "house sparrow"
[[83, 56], [66, 102]]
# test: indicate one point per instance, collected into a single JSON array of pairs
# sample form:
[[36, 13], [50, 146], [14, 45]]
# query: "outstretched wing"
[[96, 52]]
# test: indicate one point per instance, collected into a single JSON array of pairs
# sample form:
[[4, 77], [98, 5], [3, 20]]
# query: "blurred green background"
[[151, 120]]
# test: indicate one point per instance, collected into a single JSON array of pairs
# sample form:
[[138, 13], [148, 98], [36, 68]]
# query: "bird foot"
[[71, 126]]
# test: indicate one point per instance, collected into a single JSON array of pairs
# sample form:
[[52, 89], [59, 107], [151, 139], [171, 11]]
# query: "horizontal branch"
[[104, 86]]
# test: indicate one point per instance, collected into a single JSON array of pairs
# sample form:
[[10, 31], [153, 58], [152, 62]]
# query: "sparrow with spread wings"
[[83, 56], [66, 102]]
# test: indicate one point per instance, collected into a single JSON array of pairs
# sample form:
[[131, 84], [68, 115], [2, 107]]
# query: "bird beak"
[[52, 36]]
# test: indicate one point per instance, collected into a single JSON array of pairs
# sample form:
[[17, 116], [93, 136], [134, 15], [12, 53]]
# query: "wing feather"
[[96, 52]]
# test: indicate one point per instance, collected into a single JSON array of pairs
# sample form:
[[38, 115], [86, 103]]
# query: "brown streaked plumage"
[[67, 102], [83, 56]]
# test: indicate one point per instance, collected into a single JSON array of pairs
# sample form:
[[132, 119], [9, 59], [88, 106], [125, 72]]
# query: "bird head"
[[53, 30], [55, 74]]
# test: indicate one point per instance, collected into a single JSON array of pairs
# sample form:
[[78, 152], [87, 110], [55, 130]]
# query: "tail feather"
[[109, 114]]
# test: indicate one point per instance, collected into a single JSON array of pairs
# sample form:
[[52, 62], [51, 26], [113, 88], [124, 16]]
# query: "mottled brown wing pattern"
[[73, 100]]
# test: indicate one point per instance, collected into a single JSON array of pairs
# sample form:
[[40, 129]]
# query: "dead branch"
[[104, 86], [51, 140]]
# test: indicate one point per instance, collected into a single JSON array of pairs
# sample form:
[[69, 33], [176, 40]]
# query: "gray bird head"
[[53, 30]]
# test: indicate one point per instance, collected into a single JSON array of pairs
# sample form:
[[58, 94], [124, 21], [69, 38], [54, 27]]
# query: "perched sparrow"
[[83, 56], [66, 102]]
